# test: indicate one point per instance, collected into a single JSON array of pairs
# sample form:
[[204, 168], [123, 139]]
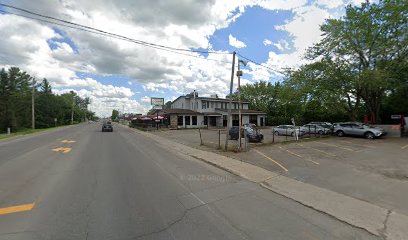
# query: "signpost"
[[157, 103]]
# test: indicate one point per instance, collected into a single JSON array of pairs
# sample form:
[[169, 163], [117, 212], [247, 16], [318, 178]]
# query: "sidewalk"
[[377, 220]]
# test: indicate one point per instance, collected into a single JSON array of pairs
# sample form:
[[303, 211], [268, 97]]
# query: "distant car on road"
[[107, 127], [315, 128], [253, 134], [288, 130], [358, 129]]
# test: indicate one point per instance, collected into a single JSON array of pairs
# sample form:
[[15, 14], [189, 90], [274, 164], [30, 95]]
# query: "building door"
[[262, 121], [205, 120], [213, 121], [224, 120]]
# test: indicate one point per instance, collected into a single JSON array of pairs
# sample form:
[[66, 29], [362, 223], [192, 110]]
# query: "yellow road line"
[[297, 155], [68, 141], [19, 208], [333, 145], [61, 149], [280, 165], [406, 146]]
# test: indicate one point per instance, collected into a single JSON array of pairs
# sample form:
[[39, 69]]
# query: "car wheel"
[[321, 132], [340, 133], [292, 134], [276, 133], [369, 135]]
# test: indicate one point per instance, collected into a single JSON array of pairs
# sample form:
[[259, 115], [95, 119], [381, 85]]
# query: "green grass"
[[27, 132]]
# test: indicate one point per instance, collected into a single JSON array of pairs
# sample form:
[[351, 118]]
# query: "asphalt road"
[[121, 185]]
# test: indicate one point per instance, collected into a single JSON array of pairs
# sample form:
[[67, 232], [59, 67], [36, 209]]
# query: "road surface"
[[80, 183]]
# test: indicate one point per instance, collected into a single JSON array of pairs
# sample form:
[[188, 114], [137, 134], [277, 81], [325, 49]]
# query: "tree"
[[115, 114], [367, 40]]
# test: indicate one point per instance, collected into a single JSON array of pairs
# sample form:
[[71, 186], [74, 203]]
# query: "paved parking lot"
[[372, 170]]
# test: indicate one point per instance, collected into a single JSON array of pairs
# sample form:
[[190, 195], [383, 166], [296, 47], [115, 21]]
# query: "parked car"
[[107, 127], [253, 134], [323, 124], [358, 129], [288, 130], [315, 128]]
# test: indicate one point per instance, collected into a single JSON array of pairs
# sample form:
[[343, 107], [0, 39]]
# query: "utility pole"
[[229, 118], [72, 108], [239, 74], [33, 105]]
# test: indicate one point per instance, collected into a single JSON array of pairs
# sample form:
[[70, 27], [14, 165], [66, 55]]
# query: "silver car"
[[315, 128], [358, 129], [288, 130]]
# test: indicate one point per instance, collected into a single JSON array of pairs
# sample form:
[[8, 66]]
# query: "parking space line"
[[350, 142], [316, 149], [406, 146], [333, 145], [280, 165], [15, 209], [299, 156]]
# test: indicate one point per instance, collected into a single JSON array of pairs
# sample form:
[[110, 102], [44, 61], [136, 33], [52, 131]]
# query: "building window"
[[203, 105], [208, 104], [194, 120], [180, 120], [187, 120], [212, 104]]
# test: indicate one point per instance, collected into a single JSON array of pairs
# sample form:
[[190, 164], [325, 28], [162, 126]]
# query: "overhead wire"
[[117, 37], [108, 33], [259, 64], [181, 51]]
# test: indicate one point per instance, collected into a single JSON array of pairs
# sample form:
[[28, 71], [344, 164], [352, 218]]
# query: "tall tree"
[[367, 39]]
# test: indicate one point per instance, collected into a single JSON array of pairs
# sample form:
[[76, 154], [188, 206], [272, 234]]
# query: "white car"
[[288, 130]]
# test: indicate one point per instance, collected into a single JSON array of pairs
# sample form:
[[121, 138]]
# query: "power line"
[[104, 32], [118, 37], [259, 64]]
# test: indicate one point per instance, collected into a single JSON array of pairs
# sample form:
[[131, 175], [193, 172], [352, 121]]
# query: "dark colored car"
[[253, 134], [107, 127]]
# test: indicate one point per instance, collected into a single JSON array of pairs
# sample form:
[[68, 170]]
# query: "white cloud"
[[282, 45], [267, 42], [330, 3], [130, 83], [235, 42]]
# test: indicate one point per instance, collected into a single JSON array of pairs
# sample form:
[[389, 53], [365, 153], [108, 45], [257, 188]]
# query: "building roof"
[[211, 113], [244, 111], [180, 111], [207, 99]]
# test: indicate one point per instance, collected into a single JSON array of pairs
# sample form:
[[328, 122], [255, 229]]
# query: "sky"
[[123, 75]]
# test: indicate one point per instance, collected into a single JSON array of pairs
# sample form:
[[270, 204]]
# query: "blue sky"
[[119, 74]]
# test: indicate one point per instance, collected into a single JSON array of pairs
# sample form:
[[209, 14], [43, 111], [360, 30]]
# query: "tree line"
[[360, 67], [17, 88]]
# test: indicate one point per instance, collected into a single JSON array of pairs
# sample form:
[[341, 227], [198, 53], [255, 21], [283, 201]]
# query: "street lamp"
[[239, 74]]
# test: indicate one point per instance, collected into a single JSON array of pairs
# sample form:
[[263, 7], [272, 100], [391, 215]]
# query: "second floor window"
[[203, 105]]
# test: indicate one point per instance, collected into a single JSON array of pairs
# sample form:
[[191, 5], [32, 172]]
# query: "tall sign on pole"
[[157, 103], [229, 118]]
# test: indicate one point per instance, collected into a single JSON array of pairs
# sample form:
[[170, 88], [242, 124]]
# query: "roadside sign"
[[156, 101], [157, 107], [396, 116]]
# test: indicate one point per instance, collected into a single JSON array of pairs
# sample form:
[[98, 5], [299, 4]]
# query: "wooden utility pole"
[[33, 105], [72, 108], [239, 73], [229, 117]]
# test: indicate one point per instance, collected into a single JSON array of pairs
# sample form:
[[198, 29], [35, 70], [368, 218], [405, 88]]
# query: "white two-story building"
[[192, 111]]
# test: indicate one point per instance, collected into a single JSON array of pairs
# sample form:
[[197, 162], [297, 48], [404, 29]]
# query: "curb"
[[374, 219]]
